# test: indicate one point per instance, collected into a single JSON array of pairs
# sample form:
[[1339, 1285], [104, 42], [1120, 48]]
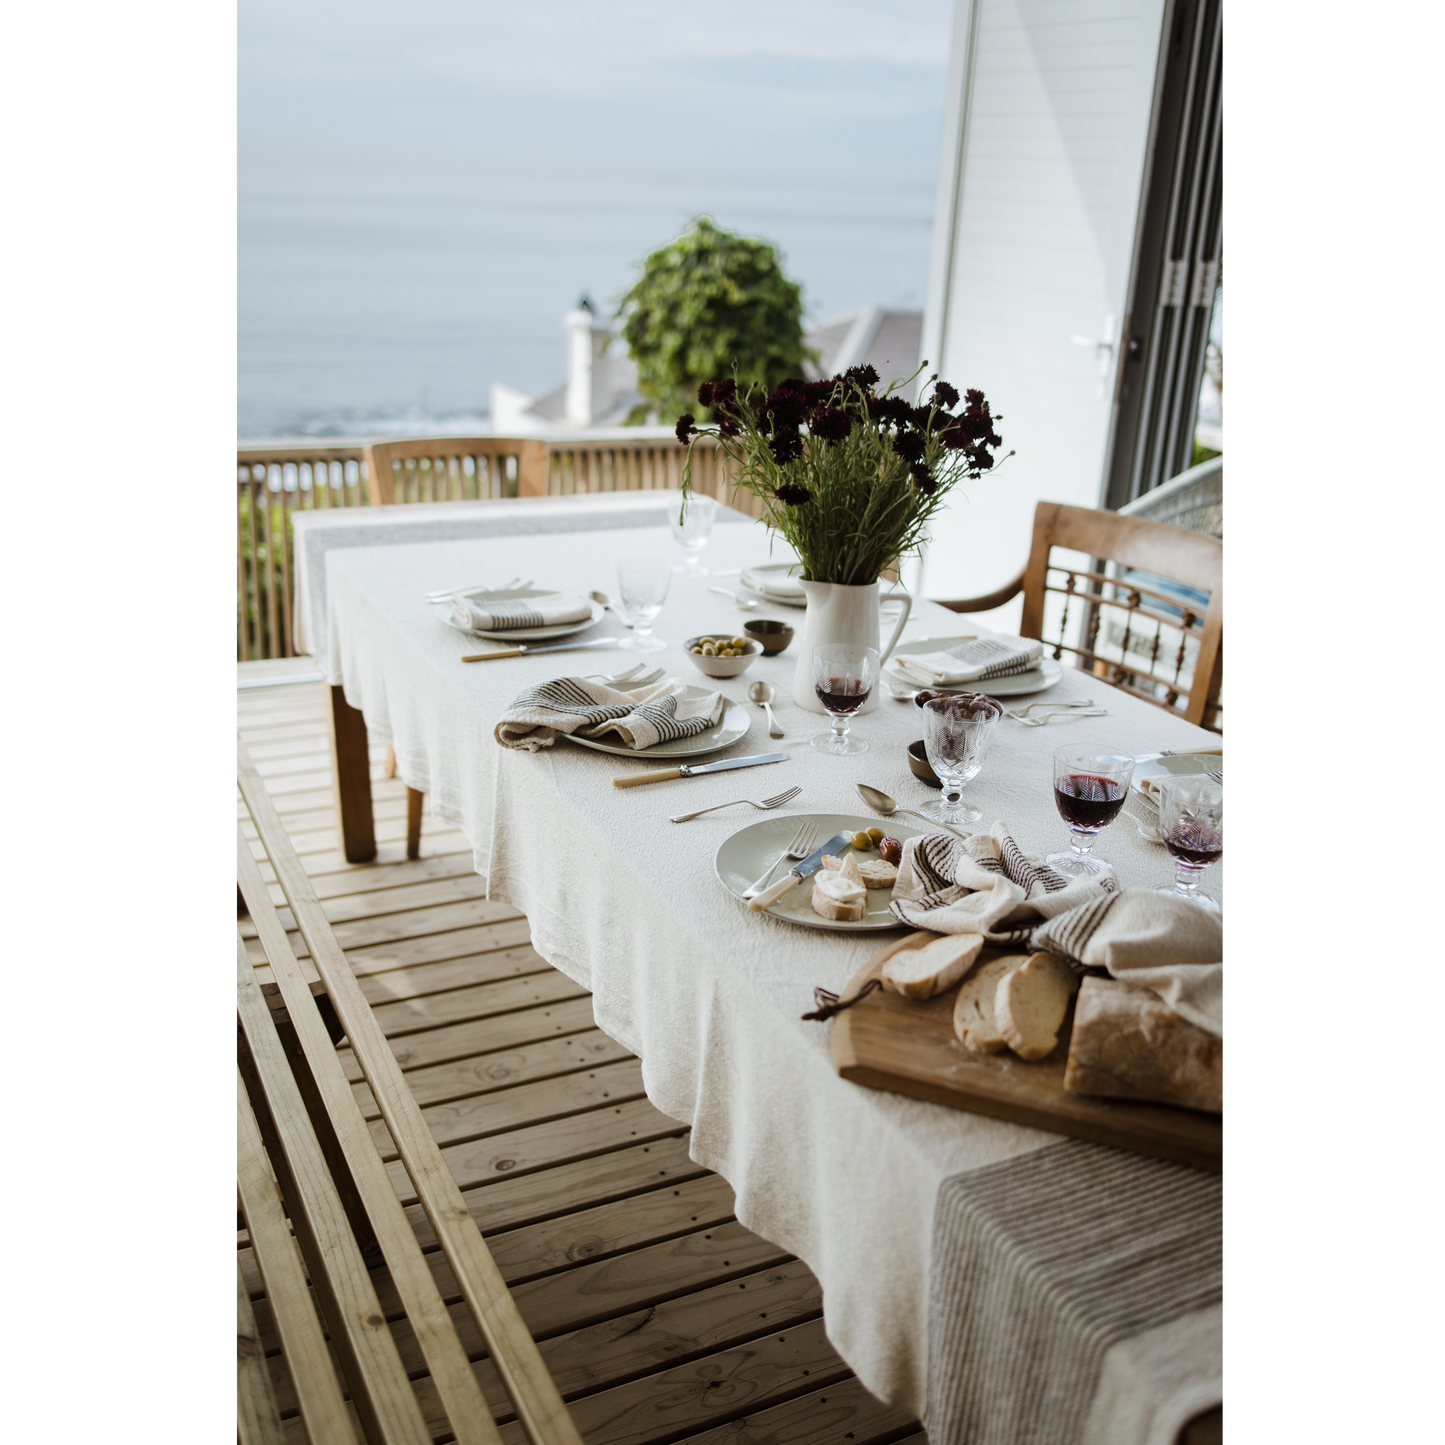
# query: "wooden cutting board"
[[907, 1046]]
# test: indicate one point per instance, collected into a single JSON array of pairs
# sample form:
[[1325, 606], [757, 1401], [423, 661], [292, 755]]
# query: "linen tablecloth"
[[316, 533], [911, 1215]]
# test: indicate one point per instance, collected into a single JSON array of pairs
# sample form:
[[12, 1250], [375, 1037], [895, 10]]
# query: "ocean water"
[[387, 298]]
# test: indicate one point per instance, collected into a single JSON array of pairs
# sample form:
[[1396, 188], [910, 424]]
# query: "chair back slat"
[[441, 469]]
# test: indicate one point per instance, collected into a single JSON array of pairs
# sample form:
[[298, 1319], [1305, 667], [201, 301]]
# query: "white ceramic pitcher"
[[838, 612]]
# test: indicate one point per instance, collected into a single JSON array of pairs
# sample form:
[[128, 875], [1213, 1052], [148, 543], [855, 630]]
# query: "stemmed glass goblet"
[[690, 530], [844, 674], [1191, 818], [1089, 791], [642, 584], [957, 730]]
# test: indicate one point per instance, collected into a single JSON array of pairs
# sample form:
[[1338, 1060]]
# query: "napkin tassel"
[[830, 1004]]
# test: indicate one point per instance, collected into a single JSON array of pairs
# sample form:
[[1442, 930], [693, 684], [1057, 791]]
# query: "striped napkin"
[[590, 709], [485, 612], [976, 660]]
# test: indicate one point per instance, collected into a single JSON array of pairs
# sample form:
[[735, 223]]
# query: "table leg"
[[351, 777]]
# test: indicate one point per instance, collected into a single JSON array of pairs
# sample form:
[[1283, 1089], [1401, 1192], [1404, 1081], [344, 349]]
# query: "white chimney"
[[587, 339]]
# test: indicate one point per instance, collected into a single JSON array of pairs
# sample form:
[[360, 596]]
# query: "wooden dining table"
[[1003, 1281]]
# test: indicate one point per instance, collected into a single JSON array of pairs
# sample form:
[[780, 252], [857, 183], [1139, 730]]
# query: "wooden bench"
[[323, 1214]]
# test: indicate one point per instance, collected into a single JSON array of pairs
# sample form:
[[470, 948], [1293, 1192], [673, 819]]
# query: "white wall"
[[1043, 161]]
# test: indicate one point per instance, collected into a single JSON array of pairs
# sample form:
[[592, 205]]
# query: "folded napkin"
[[988, 885], [500, 614], [1145, 809], [773, 583], [976, 660], [655, 714]]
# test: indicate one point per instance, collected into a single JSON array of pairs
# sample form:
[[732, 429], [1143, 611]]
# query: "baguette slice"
[[878, 873], [923, 972], [838, 897], [1029, 1005], [973, 1020], [845, 864]]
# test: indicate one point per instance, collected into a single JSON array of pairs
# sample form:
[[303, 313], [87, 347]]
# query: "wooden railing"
[[273, 482]]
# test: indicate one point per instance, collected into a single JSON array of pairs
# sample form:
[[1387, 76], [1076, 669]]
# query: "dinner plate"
[[1036, 679], [734, 725], [519, 634], [744, 858], [1180, 765]]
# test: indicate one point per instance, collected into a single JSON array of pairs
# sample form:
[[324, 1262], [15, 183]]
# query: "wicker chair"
[[1148, 608]]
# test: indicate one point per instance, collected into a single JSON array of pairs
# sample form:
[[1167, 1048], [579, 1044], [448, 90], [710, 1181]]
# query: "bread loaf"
[[878, 873], [838, 891], [1030, 1003], [923, 972], [973, 1020], [1129, 1044]]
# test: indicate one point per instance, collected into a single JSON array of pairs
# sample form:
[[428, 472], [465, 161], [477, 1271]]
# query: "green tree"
[[704, 304]]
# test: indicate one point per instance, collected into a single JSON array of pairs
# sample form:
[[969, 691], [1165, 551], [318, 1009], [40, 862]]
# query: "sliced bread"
[[838, 891], [878, 873], [845, 864], [973, 1020], [923, 972], [1030, 1003]]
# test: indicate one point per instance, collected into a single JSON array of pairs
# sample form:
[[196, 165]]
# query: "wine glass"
[[690, 531], [957, 731], [1191, 818], [1089, 791], [642, 583], [843, 675]]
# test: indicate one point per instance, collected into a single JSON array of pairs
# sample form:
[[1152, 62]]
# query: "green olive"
[[876, 834], [739, 642], [708, 650], [862, 841]]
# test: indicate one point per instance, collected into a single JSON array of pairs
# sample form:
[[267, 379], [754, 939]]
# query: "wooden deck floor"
[[661, 1317]]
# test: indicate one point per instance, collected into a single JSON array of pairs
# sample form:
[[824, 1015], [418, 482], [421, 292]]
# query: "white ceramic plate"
[[519, 634], [734, 725], [745, 857], [1182, 765], [1037, 679]]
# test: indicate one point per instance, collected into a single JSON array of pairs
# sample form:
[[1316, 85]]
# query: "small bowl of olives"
[[720, 654], [769, 635]]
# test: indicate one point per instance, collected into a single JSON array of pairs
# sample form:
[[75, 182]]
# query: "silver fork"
[[1042, 719], [1077, 702], [448, 593], [787, 795], [797, 850]]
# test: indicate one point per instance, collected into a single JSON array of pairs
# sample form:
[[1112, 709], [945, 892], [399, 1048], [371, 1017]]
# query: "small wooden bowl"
[[770, 636], [918, 764]]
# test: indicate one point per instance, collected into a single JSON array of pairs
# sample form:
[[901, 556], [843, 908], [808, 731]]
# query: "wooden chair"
[[308, 1156], [456, 469], [1148, 609]]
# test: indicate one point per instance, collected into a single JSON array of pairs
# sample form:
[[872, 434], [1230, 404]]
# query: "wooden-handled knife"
[[634, 779]]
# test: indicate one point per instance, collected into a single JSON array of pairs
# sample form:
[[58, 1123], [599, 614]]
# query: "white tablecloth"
[[707, 994], [317, 533]]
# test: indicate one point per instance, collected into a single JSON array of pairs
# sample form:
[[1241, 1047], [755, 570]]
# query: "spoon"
[[762, 694], [882, 803], [606, 601], [745, 604]]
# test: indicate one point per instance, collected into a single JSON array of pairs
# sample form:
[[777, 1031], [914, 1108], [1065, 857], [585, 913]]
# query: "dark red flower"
[[793, 494], [865, 376], [786, 446], [909, 445], [705, 392], [685, 428], [945, 395], [831, 424]]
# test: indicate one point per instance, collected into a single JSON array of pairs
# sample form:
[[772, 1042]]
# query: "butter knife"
[[686, 772], [805, 869], [523, 648]]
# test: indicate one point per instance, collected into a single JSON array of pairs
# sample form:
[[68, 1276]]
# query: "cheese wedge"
[[923, 972], [973, 1020], [1030, 1003]]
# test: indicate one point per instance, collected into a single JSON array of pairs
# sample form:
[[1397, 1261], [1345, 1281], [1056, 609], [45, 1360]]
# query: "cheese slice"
[[838, 897]]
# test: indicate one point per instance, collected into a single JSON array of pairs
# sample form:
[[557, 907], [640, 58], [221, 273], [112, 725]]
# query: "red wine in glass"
[[842, 694], [1088, 803], [1195, 844]]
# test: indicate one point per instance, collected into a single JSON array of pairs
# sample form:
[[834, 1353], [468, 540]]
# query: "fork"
[[787, 795], [446, 594], [1077, 702], [628, 676], [1040, 721], [797, 850]]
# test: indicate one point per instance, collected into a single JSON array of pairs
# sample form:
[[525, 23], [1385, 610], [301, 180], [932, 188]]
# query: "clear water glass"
[[843, 676], [642, 584], [1090, 787], [956, 733], [1191, 818], [690, 528]]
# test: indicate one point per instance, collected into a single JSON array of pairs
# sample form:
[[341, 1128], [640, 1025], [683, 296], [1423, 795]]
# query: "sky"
[[424, 190]]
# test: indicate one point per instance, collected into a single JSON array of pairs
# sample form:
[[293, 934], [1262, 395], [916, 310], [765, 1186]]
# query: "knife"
[[805, 869], [685, 772], [525, 647]]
